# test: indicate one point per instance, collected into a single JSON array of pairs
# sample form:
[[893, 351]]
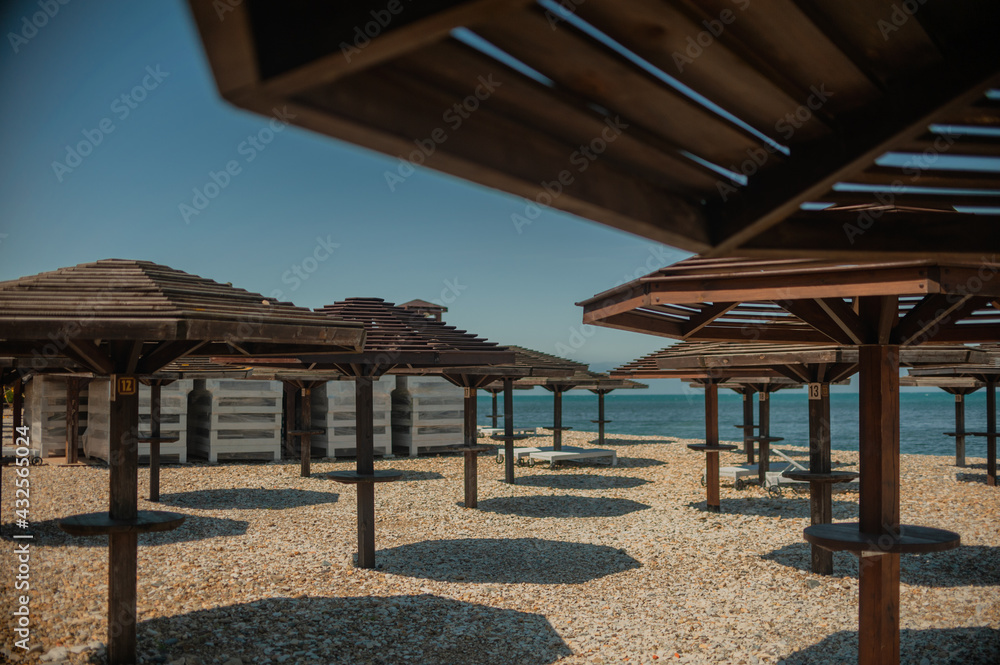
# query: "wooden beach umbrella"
[[878, 307], [582, 379], [646, 368], [986, 373], [127, 319], [528, 364], [957, 386], [396, 340], [819, 366], [706, 126]]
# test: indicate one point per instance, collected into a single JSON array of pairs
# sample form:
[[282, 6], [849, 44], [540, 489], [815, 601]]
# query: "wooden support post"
[[991, 431], [471, 457], [557, 419], [820, 494], [712, 439], [305, 441], [508, 430], [495, 417], [600, 417], [72, 420], [155, 392], [748, 424], [290, 393], [959, 430], [17, 405], [124, 492], [764, 447], [878, 612], [364, 417]]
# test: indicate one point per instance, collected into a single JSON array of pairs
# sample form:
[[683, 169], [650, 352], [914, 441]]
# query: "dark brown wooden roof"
[[423, 306], [714, 146], [809, 301], [981, 369], [135, 316], [395, 338], [798, 362]]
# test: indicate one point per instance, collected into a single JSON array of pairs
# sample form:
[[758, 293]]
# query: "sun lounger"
[[520, 454], [570, 454]]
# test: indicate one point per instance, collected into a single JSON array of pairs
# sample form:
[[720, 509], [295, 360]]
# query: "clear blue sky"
[[63, 83]]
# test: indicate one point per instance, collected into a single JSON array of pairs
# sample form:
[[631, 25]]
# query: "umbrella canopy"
[[128, 319], [712, 126], [878, 307]]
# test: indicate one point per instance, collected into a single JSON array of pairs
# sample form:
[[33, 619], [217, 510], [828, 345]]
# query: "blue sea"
[[924, 417]]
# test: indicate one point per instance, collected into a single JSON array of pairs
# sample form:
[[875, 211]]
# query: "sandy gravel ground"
[[582, 564]]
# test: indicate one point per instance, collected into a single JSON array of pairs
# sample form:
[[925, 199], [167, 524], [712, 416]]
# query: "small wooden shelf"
[[557, 429], [831, 477], [969, 434], [99, 524], [747, 426], [159, 439], [711, 449], [765, 439], [306, 432], [847, 536], [466, 449], [601, 422], [354, 478]]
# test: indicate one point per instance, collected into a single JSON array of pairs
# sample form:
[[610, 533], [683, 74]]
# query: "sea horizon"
[[924, 417]]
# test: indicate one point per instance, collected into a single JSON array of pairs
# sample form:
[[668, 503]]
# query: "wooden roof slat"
[[728, 73], [583, 65]]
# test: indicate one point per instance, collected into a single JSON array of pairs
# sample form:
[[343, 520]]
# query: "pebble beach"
[[585, 563]]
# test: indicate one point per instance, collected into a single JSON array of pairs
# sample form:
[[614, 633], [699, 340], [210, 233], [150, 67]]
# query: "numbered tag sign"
[[125, 385], [818, 390]]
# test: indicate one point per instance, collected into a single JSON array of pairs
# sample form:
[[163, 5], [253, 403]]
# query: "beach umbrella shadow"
[[248, 498], [941, 646], [581, 481], [561, 506], [615, 441], [195, 527], [505, 561], [638, 462], [977, 478], [968, 565], [786, 507], [413, 629]]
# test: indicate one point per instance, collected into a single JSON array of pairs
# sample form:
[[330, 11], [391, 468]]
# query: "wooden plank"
[[456, 68], [557, 419], [748, 443], [579, 63], [764, 434], [726, 71], [389, 45], [361, 111], [779, 32], [903, 114], [860, 234], [918, 176]]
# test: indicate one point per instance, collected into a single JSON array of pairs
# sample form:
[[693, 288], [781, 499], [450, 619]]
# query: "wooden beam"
[[391, 44], [364, 421], [845, 318], [820, 494], [816, 315], [705, 317], [165, 353], [933, 312], [89, 355], [904, 113]]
